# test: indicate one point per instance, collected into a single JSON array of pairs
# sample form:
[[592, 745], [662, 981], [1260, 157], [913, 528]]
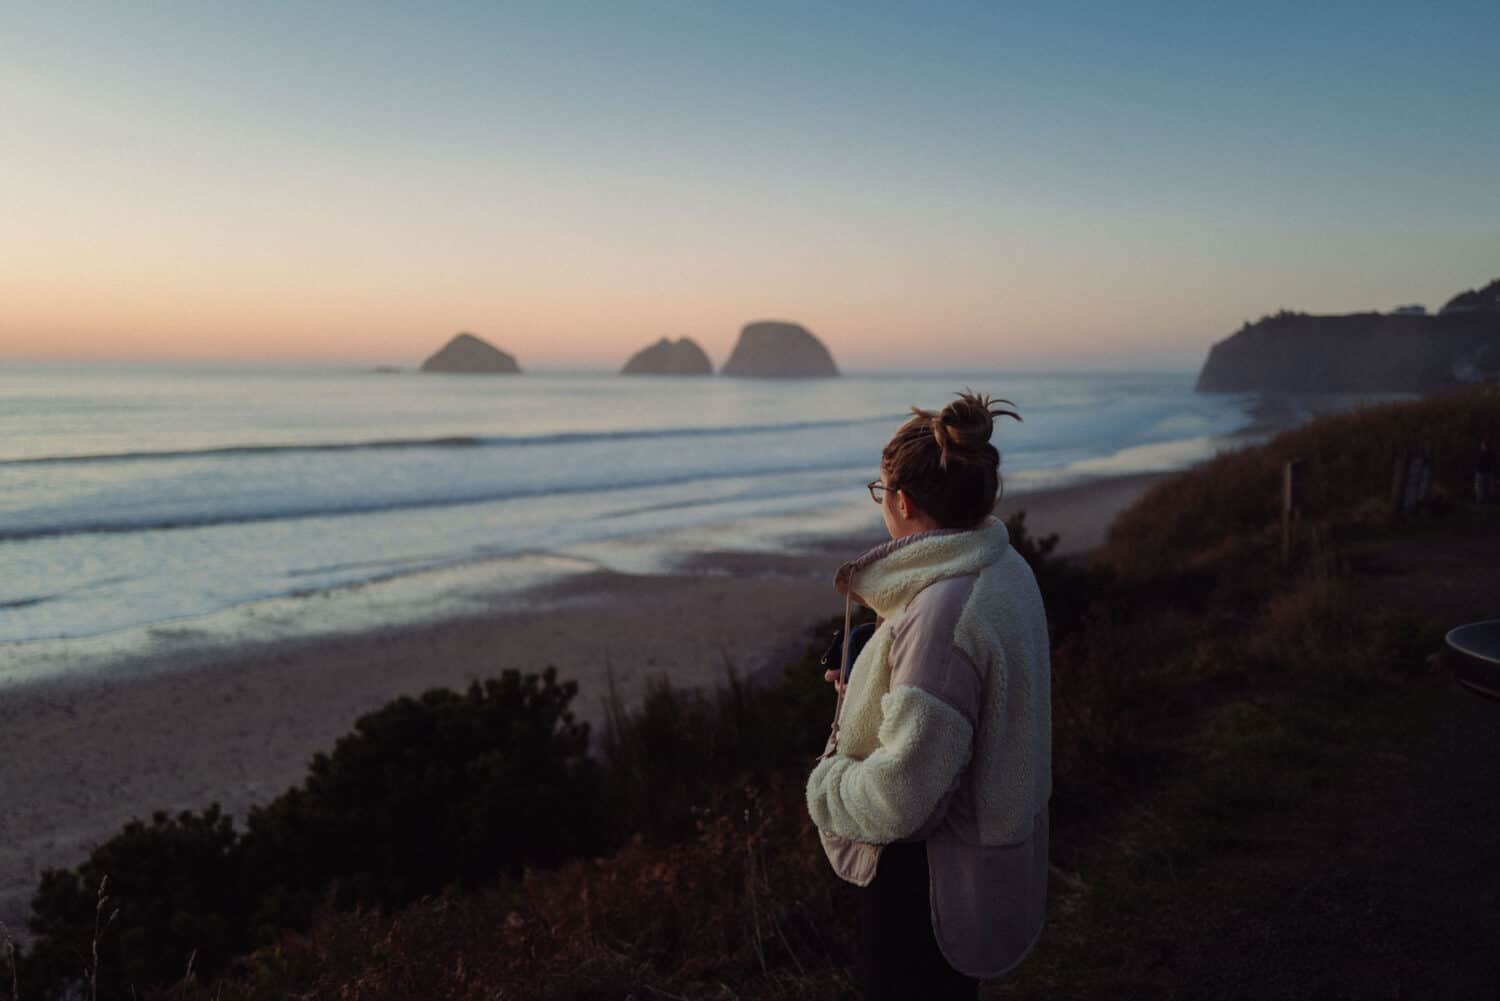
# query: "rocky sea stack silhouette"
[[466, 354], [1406, 350], [777, 350], [667, 357]]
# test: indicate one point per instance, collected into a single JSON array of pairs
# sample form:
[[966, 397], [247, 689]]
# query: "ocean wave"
[[31, 601], [334, 510], [27, 602], [452, 441]]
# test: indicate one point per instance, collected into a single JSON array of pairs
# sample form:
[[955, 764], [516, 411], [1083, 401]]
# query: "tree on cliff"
[[1486, 299]]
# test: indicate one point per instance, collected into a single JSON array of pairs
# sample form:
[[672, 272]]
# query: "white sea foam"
[[141, 506]]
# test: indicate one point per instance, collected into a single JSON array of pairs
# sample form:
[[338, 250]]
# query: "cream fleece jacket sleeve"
[[924, 744]]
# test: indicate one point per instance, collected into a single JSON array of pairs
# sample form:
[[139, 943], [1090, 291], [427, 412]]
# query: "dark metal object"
[[1476, 651], [859, 636]]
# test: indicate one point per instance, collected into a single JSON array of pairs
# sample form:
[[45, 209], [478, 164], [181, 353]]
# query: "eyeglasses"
[[877, 491]]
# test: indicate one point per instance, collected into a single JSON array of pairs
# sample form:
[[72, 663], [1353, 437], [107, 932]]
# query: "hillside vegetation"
[[1211, 705]]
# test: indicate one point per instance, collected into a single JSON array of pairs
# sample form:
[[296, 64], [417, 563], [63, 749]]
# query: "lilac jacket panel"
[[987, 901]]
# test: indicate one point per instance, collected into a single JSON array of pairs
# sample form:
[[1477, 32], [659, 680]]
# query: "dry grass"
[[746, 909], [1229, 508], [101, 925], [10, 953]]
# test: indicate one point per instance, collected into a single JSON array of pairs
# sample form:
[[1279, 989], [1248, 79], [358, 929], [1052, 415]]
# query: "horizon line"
[[548, 369]]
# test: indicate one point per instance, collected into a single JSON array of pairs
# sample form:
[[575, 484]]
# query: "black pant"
[[899, 957]]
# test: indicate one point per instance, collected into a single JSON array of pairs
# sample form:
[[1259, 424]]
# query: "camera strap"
[[838, 708]]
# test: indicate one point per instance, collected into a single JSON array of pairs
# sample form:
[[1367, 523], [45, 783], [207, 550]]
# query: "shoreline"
[[238, 726]]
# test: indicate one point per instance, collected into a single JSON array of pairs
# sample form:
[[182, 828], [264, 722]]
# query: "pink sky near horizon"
[[114, 259], [221, 276], [583, 331], [338, 289], [346, 185]]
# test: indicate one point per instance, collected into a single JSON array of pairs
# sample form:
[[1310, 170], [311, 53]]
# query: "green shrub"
[[431, 790], [667, 756], [177, 895], [1068, 586], [446, 788]]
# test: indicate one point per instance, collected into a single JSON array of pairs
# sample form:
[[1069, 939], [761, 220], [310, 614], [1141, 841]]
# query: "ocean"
[[142, 505]]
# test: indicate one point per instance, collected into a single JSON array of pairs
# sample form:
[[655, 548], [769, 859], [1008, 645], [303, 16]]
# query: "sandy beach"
[[82, 756]]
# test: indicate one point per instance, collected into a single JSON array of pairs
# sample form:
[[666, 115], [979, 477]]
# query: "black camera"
[[858, 637]]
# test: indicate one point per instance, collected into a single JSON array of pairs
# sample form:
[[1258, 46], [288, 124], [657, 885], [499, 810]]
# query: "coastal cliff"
[[776, 350], [1402, 351]]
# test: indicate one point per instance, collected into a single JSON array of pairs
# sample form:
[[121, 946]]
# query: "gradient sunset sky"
[[922, 185]]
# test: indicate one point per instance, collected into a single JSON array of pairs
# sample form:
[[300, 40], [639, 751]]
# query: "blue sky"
[[1060, 185]]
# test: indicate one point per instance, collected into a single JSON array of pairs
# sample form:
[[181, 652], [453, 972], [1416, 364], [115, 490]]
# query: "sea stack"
[[667, 357], [772, 349], [468, 354]]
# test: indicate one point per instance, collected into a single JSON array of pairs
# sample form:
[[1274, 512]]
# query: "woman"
[[932, 793]]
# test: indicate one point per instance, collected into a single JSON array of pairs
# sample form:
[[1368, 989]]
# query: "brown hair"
[[944, 461]]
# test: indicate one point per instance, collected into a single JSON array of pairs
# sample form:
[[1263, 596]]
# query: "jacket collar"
[[890, 575]]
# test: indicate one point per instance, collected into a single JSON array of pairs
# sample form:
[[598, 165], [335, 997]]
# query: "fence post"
[[1291, 502], [1424, 480], [1398, 487]]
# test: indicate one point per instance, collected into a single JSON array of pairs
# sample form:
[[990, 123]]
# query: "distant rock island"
[[1406, 350], [467, 353], [667, 357], [776, 350]]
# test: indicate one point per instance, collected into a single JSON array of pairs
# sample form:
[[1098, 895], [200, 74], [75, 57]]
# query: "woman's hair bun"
[[963, 428], [944, 462]]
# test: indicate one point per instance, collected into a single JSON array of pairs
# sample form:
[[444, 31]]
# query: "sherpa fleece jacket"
[[946, 736]]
